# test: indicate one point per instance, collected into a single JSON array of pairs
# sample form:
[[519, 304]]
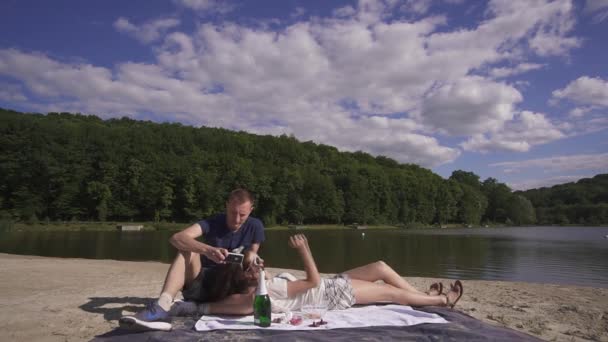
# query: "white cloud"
[[546, 182], [471, 105], [207, 6], [85, 88], [354, 80], [147, 32], [551, 23], [527, 130], [344, 12], [579, 112], [374, 11], [595, 5], [517, 70], [590, 122], [597, 162], [416, 6], [11, 93], [597, 123], [394, 138], [547, 44], [510, 28], [585, 90], [598, 9], [298, 12]]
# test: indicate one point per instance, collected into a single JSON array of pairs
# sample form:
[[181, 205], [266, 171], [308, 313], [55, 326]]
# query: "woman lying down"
[[233, 289]]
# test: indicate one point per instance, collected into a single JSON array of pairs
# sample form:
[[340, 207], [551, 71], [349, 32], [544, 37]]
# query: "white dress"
[[277, 290], [335, 292]]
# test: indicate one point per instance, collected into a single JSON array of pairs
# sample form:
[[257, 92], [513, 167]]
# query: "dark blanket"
[[462, 327]]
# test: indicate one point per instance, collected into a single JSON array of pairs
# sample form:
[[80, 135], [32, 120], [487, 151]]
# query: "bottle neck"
[[261, 290]]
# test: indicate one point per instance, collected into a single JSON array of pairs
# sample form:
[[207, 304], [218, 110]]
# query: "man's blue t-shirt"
[[217, 234]]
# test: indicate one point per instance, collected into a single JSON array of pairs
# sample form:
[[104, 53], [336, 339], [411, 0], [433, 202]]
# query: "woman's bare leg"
[[366, 292], [379, 270]]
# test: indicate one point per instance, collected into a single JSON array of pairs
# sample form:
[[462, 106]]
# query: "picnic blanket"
[[354, 317], [461, 327]]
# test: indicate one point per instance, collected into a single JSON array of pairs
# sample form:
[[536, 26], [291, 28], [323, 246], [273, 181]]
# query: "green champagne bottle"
[[261, 304]]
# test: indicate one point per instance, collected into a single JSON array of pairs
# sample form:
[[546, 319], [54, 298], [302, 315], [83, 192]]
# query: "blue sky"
[[511, 89]]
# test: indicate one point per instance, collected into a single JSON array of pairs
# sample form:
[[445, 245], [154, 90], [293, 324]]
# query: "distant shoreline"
[[63, 299], [169, 226]]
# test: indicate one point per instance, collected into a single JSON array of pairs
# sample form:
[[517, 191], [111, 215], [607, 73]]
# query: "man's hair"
[[241, 196]]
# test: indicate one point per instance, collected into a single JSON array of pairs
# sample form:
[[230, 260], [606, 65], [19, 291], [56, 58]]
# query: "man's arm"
[[250, 254], [185, 240], [254, 247]]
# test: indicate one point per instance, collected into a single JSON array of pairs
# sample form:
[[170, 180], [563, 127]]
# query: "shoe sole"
[[132, 323]]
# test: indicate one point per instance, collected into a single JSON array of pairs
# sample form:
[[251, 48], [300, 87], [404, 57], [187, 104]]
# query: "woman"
[[236, 287]]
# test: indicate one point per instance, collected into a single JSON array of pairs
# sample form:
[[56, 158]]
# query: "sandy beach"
[[55, 299]]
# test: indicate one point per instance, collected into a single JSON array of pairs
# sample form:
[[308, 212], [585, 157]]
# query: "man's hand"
[[298, 242], [216, 254], [252, 258]]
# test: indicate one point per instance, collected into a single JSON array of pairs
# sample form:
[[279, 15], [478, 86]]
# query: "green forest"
[[68, 167]]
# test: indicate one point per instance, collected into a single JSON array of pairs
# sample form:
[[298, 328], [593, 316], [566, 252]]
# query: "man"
[[195, 260]]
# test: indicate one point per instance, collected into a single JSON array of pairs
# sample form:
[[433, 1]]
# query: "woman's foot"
[[435, 289], [453, 296]]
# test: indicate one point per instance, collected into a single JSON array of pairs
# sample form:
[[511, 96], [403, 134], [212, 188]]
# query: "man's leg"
[[183, 270]]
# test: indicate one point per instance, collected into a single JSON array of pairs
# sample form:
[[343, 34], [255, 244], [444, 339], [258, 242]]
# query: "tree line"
[[63, 166], [583, 202]]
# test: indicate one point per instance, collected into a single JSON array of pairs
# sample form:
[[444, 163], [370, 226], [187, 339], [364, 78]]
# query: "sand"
[[56, 299]]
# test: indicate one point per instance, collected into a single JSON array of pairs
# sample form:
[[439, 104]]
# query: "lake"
[[558, 255]]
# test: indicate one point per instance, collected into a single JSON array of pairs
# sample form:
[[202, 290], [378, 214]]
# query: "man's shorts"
[[195, 291]]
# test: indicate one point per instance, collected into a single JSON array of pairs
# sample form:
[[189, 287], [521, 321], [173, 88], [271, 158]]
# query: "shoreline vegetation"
[[64, 299], [9, 226], [63, 167]]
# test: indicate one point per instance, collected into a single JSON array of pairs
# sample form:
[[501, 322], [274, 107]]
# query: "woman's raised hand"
[[298, 242], [313, 279]]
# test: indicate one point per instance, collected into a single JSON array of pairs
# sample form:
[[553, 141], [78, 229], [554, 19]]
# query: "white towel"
[[366, 316]]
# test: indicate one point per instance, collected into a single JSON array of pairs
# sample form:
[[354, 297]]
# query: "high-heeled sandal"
[[456, 287], [437, 287]]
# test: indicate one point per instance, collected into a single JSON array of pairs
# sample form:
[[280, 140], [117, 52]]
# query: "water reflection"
[[546, 254], [90, 244]]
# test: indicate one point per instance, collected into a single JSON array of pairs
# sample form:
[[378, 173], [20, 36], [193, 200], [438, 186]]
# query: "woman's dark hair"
[[225, 280]]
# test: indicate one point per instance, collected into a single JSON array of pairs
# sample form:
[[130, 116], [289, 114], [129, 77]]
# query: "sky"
[[516, 90]]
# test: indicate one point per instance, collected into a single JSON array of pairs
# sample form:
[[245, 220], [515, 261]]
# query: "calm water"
[[559, 255]]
